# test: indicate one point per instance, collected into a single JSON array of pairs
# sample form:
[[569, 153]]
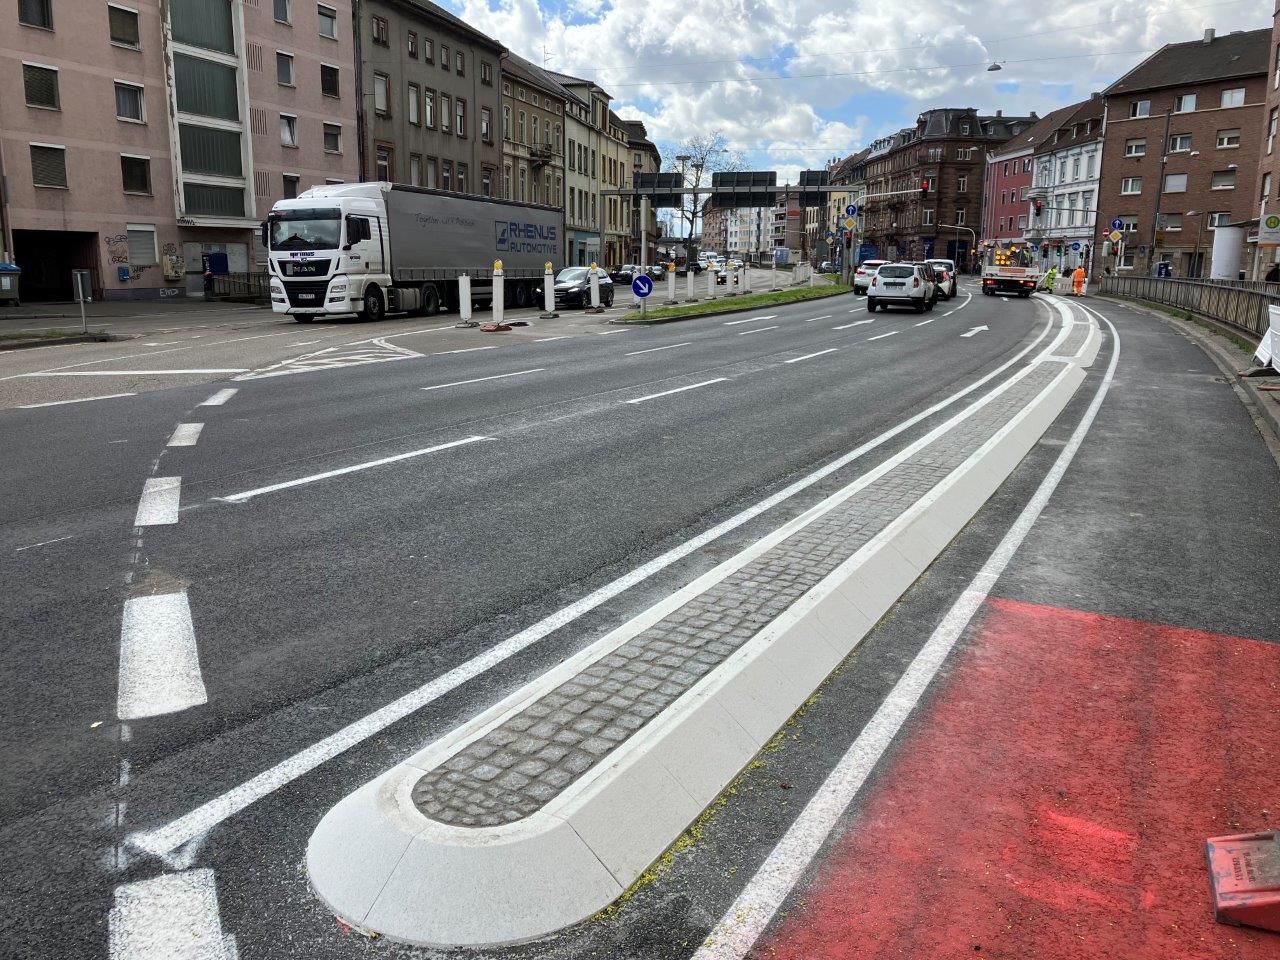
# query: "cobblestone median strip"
[[587, 775]]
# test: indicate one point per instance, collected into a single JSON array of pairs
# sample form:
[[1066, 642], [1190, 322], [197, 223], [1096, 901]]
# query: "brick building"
[[715, 228], [1269, 158], [1007, 178], [1184, 130], [946, 148]]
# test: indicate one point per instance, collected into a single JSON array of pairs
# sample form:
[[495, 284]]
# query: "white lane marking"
[[43, 543], [810, 356], [132, 373], [667, 393], [856, 323], [549, 339], [975, 330], [669, 346], [159, 662], [174, 916], [881, 336], [445, 353], [930, 320], [59, 403], [307, 343], [500, 376], [186, 435], [759, 330], [856, 309], [166, 839], [250, 494], [159, 503], [967, 297], [607, 333], [256, 336], [825, 316], [221, 397], [744, 921]]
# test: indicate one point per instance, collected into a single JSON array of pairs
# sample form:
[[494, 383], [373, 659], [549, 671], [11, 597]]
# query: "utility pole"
[[1155, 216]]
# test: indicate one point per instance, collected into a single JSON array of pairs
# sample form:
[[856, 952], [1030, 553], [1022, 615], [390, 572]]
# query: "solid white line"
[[159, 503], [445, 353], [166, 839], [500, 376], [59, 403], [667, 393], [159, 662], [856, 323], [549, 339], [825, 316], [751, 913], [131, 373], [250, 494], [670, 346], [221, 397], [608, 333], [43, 543], [881, 336], [930, 320], [758, 330], [810, 356], [174, 916], [186, 435]]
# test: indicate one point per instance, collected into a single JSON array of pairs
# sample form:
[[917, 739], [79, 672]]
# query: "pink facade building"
[[1009, 171], [150, 140]]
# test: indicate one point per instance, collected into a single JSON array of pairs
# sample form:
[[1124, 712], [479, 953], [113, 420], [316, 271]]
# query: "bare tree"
[[696, 160]]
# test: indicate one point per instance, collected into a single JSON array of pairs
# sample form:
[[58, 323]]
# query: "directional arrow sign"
[[973, 331]]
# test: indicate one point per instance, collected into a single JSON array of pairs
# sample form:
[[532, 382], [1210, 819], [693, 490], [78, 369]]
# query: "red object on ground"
[[1050, 803], [1245, 873], [495, 327]]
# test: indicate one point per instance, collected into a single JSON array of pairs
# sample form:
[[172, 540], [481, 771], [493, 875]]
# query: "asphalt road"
[[349, 529]]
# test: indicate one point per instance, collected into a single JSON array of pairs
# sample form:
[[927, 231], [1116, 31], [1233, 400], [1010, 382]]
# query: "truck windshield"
[[309, 229]]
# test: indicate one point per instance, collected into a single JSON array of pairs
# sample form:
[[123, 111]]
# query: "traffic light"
[[1039, 205], [924, 189]]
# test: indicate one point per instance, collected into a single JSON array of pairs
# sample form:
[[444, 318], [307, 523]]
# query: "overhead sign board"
[[727, 192], [813, 178]]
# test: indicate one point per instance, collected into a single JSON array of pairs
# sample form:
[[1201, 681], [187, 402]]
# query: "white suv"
[[902, 285], [863, 274]]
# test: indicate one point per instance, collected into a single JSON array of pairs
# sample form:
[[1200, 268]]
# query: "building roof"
[[1086, 110], [534, 75], [569, 80], [944, 122], [1242, 53], [1034, 135], [432, 11], [843, 172], [638, 136]]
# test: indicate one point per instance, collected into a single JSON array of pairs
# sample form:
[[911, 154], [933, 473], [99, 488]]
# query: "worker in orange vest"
[[1077, 281]]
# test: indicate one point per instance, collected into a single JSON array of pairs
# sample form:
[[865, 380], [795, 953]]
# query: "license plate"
[[306, 296], [895, 284]]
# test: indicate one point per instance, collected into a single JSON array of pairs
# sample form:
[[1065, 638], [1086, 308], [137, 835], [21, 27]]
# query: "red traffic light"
[[924, 188], [1039, 208]]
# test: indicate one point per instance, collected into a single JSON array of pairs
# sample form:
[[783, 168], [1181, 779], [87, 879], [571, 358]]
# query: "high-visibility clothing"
[[1077, 281]]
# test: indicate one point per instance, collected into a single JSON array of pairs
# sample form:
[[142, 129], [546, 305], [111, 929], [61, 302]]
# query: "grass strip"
[[733, 304]]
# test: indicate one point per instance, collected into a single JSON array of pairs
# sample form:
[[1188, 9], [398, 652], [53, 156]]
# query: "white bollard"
[[671, 282], [746, 279], [773, 285], [689, 278], [548, 293], [594, 274], [498, 292], [711, 283], [812, 282], [464, 301]]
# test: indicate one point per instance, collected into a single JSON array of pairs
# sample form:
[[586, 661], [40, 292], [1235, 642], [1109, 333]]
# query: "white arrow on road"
[[973, 331]]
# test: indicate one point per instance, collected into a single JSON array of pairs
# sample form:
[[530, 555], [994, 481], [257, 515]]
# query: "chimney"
[[1208, 35], [999, 113]]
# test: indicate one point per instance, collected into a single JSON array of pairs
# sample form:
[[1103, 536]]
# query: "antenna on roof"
[[546, 55]]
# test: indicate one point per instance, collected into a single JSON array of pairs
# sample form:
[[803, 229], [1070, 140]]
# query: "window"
[[486, 182], [411, 40], [926, 217], [282, 11], [1228, 139], [381, 95], [486, 125], [1173, 221], [962, 184], [1001, 228], [964, 128], [48, 165], [384, 164], [1219, 218], [460, 128], [1233, 97], [327, 18], [413, 95], [1026, 165], [329, 80], [506, 184], [1185, 103], [135, 174], [381, 33], [1139, 108], [332, 138], [486, 77], [1175, 183], [1075, 168], [573, 154], [1180, 143], [209, 25], [1022, 222], [1091, 161], [1006, 168], [506, 123], [210, 151], [960, 217], [446, 175], [523, 182], [40, 85], [432, 180], [429, 108], [1135, 148], [141, 240], [284, 69], [428, 50], [1062, 170], [415, 170], [123, 25], [536, 130], [129, 105], [1271, 128], [444, 56], [462, 178], [288, 130], [446, 110], [290, 183], [1126, 260], [1223, 180], [520, 128], [1266, 186], [36, 13], [460, 63], [1129, 224], [1130, 185]]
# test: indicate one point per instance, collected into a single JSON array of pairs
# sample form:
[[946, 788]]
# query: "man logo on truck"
[[516, 237]]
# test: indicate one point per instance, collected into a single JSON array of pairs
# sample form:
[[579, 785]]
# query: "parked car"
[[657, 271], [573, 288], [862, 276], [946, 273], [902, 285], [827, 267], [625, 273]]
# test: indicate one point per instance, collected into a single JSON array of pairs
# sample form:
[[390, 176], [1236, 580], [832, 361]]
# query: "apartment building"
[[428, 97], [1067, 170], [1006, 210], [533, 144], [645, 158], [1184, 130], [149, 141], [1269, 158]]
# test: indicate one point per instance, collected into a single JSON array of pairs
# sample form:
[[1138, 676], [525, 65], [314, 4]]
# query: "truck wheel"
[[520, 296], [430, 300], [373, 308]]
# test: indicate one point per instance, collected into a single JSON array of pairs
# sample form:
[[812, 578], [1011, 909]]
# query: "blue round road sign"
[[851, 210], [1117, 224], [1076, 246], [642, 286]]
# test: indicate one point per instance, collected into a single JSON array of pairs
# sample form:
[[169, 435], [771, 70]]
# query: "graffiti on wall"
[[118, 253]]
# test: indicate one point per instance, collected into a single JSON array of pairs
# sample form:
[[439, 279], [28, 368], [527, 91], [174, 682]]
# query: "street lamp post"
[[683, 159], [958, 227], [1195, 257]]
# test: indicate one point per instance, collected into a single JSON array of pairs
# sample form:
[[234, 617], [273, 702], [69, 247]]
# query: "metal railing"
[[255, 287], [1241, 304]]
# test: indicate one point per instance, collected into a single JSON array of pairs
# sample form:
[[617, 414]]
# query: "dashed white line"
[[445, 353], [221, 397], [930, 320], [667, 393], [669, 346], [825, 316], [186, 435], [59, 403], [881, 336], [250, 494], [159, 662], [500, 376], [810, 356], [734, 323], [43, 543], [159, 503], [132, 373], [174, 915], [758, 330], [549, 339], [608, 333], [856, 323]]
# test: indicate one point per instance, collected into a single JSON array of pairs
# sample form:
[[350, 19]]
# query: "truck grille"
[[305, 268], [306, 293]]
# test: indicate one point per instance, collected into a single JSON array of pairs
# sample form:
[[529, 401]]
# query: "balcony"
[[540, 154]]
